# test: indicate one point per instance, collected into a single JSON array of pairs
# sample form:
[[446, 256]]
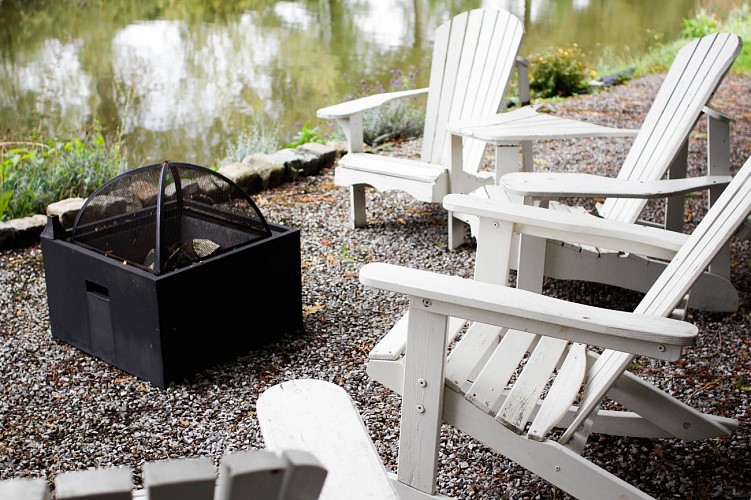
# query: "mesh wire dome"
[[166, 216]]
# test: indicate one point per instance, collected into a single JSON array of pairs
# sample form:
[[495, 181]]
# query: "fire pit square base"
[[165, 328]]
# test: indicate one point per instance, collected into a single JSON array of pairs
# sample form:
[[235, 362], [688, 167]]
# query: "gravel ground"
[[62, 410]]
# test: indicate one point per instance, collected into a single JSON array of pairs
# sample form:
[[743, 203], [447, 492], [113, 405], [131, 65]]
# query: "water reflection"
[[181, 81]]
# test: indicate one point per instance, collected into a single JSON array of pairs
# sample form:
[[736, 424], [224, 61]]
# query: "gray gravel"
[[62, 410]]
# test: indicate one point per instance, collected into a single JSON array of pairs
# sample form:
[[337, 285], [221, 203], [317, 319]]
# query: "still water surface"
[[182, 79]]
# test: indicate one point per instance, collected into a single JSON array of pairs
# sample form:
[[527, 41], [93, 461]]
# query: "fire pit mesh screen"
[[168, 215]]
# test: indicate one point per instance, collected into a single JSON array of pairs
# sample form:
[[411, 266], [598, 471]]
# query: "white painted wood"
[[357, 205], [564, 184], [407, 492], [488, 389], [260, 474], [358, 106], [474, 54], [554, 463], [188, 479], [562, 393], [522, 310], [676, 201], [422, 397], [25, 488], [320, 418], [259, 471], [464, 362], [394, 343], [524, 395], [526, 124], [95, 484], [659, 147], [691, 81], [447, 296], [550, 224], [394, 167], [304, 478]]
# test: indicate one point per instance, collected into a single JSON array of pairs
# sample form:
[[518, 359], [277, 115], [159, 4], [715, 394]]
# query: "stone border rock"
[[254, 173]]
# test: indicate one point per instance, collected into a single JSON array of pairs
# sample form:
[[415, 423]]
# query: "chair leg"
[[357, 205], [456, 232]]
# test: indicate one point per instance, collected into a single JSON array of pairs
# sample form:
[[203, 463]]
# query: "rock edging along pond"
[[254, 173]]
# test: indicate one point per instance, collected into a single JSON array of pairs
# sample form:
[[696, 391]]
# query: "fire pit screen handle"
[[161, 247]]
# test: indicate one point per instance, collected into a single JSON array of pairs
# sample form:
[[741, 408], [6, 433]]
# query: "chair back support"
[[473, 58], [720, 223], [692, 80]]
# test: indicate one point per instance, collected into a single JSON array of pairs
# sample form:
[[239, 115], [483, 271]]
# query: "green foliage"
[[560, 73], [306, 134], [33, 175], [701, 25], [396, 120], [255, 139], [737, 21]]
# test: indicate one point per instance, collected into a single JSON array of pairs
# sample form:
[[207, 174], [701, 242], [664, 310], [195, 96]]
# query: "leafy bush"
[[33, 175], [701, 25], [561, 73], [306, 134], [396, 120]]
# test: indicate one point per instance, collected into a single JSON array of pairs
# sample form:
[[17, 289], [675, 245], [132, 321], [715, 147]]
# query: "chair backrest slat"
[[473, 58], [692, 80]]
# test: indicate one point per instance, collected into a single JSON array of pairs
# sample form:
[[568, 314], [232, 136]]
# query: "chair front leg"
[[422, 397]]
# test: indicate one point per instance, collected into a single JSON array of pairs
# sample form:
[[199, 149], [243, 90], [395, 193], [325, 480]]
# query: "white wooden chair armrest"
[[355, 106], [716, 114], [539, 185], [572, 227], [526, 124], [499, 305], [320, 417]]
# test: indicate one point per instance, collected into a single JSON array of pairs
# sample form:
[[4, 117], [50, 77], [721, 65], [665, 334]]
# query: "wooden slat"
[[24, 489], [487, 390], [259, 471], [394, 343], [304, 477], [446, 81], [493, 72], [187, 479], [469, 355], [392, 166], [562, 393], [691, 81], [95, 484], [522, 399]]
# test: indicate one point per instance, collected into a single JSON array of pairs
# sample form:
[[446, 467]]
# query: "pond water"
[[183, 79]]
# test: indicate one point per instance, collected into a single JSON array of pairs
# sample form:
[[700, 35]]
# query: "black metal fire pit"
[[169, 269]]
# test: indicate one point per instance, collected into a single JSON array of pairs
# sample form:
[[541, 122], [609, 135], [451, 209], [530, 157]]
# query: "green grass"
[[661, 55]]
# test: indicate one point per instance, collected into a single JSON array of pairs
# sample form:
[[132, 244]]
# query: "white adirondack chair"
[[474, 55], [480, 387], [259, 474], [660, 148]]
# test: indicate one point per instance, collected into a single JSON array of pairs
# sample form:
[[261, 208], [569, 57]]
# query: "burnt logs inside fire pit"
[[169, 269]]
